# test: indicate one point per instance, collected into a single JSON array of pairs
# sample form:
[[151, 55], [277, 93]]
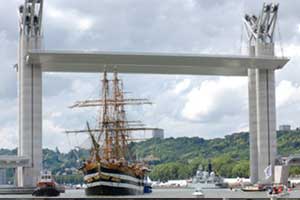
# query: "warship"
[[110, 169], [207, 179]]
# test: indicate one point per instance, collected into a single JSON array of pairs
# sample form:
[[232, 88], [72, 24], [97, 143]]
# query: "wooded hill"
[[178, 158]]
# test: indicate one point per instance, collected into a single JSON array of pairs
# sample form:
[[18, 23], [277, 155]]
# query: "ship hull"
[[46, 191], [112, 190], [113, 182]]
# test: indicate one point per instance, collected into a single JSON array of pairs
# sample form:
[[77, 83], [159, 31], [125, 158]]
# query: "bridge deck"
[[151, 63]]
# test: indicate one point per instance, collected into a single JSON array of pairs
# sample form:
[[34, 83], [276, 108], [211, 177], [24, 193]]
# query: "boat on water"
[[277, 191], [46, 186], [109, 169], [147, 185], [198, 193], [207, 179], [254, 188]]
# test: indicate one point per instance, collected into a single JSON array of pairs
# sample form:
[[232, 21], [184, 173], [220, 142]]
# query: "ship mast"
[[116, 97], [112, 123], [104, 123], [124, 134]]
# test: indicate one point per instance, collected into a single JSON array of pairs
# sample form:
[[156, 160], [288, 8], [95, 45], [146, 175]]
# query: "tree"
[[241, 169]]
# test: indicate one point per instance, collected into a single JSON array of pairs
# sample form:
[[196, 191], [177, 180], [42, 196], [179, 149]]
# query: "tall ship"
[[110, 169]]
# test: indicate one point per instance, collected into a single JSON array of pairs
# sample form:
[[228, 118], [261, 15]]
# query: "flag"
[[268, 172]]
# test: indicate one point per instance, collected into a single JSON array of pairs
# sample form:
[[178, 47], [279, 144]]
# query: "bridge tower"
[[30, 93], [262, 108]]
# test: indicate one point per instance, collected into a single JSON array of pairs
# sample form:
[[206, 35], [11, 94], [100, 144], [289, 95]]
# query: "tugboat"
[[46, 186], [110, 170]]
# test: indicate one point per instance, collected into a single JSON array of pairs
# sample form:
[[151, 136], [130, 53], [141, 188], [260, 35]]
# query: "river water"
[[173, 193]]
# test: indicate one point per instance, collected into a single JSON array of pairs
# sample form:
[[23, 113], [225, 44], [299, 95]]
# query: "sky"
[[202, 106]]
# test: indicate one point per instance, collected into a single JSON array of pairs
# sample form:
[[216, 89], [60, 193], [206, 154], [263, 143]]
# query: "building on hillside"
[[3, 179], [285, 127], [158, 133]]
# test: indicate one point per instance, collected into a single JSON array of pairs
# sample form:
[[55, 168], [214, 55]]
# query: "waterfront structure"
[[285, 127], [13, 162], [259, 66], [158, 133], [3, 178], [281, 169]]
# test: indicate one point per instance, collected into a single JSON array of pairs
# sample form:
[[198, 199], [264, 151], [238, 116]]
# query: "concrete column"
[[266, 113], [281, 174], [252, 120], [30, 112], [30, 93]]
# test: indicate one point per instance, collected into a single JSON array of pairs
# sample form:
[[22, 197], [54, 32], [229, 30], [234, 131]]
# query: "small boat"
[[46, 186], [277, 191], [198, 193], [254, 188], [147, 188], [147, 185]]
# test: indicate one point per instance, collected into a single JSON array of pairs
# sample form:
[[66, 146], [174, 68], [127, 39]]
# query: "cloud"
[[8, 74], [184, 105], [288, 103], [54, 136], [8, 123], [287, 94], [58, 117], [182, 86], [292, 50], [8, 136], [216, 99], [74, 19]]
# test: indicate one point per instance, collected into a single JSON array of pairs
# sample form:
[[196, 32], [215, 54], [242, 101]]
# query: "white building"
[[158, 133], [285, 127]]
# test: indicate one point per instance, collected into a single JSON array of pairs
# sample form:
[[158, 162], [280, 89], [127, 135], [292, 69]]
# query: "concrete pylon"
[[30, 93], [252, 120], [262, 108], [266, 114]]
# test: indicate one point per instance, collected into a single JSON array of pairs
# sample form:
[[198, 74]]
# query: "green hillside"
[[180, 157], [176, 158]]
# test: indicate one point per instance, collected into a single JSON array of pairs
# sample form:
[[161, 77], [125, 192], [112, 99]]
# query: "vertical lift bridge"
[[259, 66]]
